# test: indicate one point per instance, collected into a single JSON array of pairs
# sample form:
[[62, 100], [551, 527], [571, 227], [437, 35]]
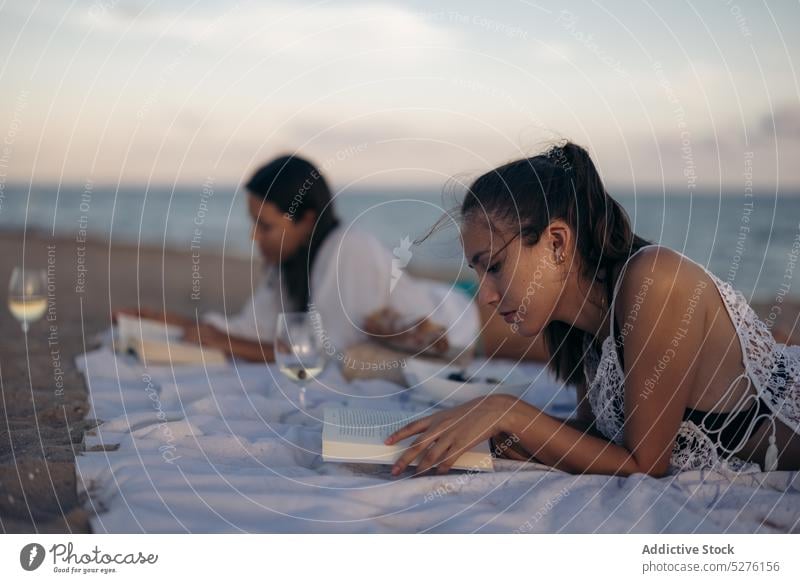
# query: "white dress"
[[352, 276], [695, 449]]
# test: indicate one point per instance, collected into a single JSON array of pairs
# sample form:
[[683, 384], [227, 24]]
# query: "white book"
[[356, 436], [157, 343]]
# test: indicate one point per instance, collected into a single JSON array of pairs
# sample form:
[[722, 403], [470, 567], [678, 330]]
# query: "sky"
[[669, 97]]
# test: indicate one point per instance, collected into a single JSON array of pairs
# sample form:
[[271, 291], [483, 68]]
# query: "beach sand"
[[43, 408]]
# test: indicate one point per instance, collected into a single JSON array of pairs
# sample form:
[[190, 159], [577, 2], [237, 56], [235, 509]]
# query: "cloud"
[[304, 30]]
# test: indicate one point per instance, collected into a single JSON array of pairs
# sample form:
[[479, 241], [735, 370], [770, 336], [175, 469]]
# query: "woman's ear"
[[558, 236]]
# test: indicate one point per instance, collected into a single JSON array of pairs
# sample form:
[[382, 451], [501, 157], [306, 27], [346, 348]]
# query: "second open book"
[[158, 343]]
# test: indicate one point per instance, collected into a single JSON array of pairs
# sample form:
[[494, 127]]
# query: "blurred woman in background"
[[312, 261]]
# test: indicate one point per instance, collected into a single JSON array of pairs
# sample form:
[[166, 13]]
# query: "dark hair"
[[562, 183], [295, 186]]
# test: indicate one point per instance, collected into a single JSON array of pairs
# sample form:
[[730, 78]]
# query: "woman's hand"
[[422, 335], [447, 434]]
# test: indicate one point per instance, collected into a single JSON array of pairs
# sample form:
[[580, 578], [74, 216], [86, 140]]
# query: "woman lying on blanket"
[[674, 371], [312, 261]]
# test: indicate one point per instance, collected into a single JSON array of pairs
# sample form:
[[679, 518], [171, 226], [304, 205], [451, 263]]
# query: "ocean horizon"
[[752, 241]]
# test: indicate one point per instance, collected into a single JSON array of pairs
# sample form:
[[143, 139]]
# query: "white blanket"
[[227, 450]]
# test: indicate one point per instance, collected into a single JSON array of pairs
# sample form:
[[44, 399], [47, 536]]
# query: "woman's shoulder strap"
[[619, 281]]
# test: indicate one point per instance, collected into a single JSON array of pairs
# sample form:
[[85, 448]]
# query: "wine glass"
[[26, 295], [298, 350]]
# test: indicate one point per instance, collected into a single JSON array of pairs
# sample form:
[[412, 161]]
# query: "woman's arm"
[[448, 434], [251, 350], [210, 337], [584, 422], [566, 445]]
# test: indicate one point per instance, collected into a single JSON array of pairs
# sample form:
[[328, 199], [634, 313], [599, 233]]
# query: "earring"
[[559, 257]]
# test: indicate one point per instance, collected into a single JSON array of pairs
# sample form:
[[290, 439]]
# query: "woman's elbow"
[[653, 468]]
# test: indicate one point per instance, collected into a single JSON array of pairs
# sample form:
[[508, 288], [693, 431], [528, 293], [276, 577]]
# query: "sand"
[[44, 399], [42, 407]]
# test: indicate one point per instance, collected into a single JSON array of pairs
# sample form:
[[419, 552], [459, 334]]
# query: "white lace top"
[[695, 449]]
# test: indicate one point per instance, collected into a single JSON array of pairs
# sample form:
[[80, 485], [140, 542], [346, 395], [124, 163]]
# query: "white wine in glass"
[[298, 350], [27, 299]]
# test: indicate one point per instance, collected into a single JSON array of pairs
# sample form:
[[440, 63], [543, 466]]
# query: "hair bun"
[[565, 156]]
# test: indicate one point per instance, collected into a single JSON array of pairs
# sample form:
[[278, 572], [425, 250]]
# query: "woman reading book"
[[313, 262], [673, 369]]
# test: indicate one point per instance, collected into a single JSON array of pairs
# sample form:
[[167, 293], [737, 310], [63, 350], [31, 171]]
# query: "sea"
[[751, 241]]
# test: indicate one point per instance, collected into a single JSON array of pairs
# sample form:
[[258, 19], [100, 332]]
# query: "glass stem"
[[25, 326]]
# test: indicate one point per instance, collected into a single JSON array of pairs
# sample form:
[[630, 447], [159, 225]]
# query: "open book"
[[356, 436], [158, 343]]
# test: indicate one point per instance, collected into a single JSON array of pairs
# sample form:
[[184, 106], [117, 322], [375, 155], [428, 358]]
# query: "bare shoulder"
[[669, 278]]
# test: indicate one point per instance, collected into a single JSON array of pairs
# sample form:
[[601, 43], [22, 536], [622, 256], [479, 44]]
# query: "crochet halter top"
[[772, 368]]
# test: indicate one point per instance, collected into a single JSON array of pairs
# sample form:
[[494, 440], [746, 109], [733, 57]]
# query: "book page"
[[364, 425], [356, 435], [154, 342], [175, 352], [130, 328]]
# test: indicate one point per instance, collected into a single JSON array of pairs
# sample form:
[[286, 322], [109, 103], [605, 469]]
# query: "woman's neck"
[[586, 310]]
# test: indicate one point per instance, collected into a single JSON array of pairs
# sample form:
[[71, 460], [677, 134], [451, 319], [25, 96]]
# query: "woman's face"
[[278, 237], [521, 282]]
